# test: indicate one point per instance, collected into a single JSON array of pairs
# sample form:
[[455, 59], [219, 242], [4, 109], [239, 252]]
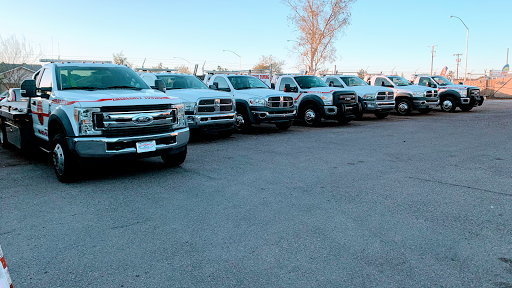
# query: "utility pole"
[[432, 62], [458, 61]]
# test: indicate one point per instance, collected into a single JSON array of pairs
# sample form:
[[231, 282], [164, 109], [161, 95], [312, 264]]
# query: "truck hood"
[[411, 88], [324, 89], [192, 95], [102, 98], [259, 93]]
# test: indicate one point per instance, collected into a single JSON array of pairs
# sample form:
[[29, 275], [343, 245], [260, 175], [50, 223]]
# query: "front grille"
[[215, 105], [137, 108], [344, 97], [474, 92], [381, 96], [280, 102], [139, 131], [431, 93]]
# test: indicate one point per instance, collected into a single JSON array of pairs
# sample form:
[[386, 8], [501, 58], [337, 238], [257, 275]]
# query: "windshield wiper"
[[82, 88], [244, 88], [123, 87]]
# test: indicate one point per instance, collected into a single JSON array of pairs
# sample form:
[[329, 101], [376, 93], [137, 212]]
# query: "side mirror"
[[331, 84], [287, 88], [160, 85], [28, 88], [216, 84], [433, 85], [383, 84], [212, 87], [460, 83], [272, 86]]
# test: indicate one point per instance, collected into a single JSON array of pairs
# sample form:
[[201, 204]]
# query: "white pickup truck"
[[376, 100], [408, 97], [255, 101], [316, 100], [205, 109], [451, 95], [80, 111]]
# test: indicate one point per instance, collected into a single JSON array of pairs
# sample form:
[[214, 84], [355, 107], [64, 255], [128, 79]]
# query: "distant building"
[[11, 75]]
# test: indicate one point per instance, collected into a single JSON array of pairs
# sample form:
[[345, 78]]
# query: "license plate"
[[146, 146]]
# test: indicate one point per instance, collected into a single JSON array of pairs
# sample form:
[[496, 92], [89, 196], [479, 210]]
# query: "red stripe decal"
[[3, 262]]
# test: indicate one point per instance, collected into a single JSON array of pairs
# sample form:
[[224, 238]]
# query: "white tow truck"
[[451, 95], [316, 100], [408, 97], [255, 101], [205, 109], [81, 111], [376, 100]]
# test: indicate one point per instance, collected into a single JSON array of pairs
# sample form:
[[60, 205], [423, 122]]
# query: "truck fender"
[[309, 99], [59, 122], [403, 94], [243, 106], [449, 93]]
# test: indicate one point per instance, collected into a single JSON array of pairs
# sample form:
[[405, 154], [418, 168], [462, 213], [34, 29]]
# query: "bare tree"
[[183, 69], [159, 66], [15, 53], [120, 59], [361, 73], [221, 69], [265, 61], [319, 23]]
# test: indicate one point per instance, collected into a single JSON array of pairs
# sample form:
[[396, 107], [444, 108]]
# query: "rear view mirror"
[[287, 88], [272, 85], [160, 85], [331, 84], [212, 87], [460, 83], [28, 88]]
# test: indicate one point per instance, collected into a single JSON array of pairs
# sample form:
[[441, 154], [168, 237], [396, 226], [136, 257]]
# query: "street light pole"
[[467, 39], [236, 55]]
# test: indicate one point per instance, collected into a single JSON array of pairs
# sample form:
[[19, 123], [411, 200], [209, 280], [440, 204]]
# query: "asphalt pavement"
[[416, 201]]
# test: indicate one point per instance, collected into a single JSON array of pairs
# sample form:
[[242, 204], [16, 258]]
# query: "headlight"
[[180, 116], [84, 121], [190, 106], [463, 93], [419, 94], [327, 99], [369, 96], [257, 102]]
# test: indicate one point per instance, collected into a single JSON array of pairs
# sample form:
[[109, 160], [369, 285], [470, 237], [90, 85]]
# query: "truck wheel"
[[381, 115], [3, 134], [424, 110], [242, 123], [448, 104], [404, 107], [175, 160], [65, 163], [311, 115], [227, 133], [284, 125], [466, 108], [359, 112]]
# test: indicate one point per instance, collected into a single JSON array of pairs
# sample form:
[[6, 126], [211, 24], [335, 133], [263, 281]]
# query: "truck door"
[[292, 89], [334, 82], [40, 105]]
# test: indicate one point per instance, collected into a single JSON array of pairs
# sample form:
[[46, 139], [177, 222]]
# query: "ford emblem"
[[142, 119]]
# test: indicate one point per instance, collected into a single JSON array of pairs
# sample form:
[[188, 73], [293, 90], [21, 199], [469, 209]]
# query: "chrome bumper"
[[202, 121], [97, 146]]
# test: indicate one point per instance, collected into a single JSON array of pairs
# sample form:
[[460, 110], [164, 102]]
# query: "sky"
[[383, 36]]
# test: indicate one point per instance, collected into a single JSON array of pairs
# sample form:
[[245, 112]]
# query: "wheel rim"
[[447, 105], [403, 107], [309, 116], [240, 122], [58, 159]]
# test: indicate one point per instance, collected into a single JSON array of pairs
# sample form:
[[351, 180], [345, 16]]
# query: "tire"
[[227, 133], [311, 115], [175, 160], [242, 123], [381, 115], [65, 164], [403, 107], [284, 125], [424, 110], [359, 112], [466, 108], [448, 104], [3, 135]]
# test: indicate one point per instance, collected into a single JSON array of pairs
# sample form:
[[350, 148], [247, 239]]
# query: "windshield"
[[442, 81], [353, 81], [92, 78], [399, 81], [246, 82], [181, 82], [306, 82]]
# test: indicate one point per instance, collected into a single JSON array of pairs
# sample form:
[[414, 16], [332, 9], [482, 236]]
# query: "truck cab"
[[451, 95], [255, 102], [205, 109], [315, 100], [408, 97], [81, 111], [376, 100]]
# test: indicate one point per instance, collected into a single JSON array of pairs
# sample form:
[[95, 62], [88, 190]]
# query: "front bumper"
[[97, 147], [265, 114], [339, 111], [211, 121], [424, 102], [373, 106]]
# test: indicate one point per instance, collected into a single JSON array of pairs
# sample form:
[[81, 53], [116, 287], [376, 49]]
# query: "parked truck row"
[[84, 111]]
